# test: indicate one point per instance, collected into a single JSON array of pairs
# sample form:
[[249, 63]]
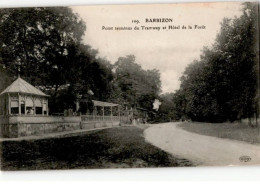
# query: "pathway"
[[201, 149]]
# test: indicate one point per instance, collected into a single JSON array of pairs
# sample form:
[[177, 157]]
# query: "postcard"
[[129, 86]]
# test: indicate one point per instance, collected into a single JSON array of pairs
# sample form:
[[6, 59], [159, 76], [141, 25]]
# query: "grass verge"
[[122, 147], [235, 131]]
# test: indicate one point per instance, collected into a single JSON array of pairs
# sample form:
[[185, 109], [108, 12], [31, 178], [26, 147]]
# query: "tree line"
[[44, 45], [223, 85]]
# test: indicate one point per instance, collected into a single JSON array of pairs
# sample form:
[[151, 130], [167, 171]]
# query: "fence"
[[17, 126], [99, 118], [104, 118]]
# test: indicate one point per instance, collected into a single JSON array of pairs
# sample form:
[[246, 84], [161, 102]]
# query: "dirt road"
[[200, 149]]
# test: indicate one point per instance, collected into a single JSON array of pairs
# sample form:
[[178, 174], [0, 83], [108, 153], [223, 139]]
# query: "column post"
[[118, 113], [9, 104], [42, 106], [34, 108], [25, 98], [111, 115], [19, 104], [103, 112], [93, 112], [47, 106]]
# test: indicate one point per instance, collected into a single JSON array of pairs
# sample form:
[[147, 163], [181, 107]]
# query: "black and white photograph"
[[129, 86]]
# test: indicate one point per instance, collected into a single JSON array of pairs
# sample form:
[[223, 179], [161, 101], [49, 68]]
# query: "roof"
[[103, 104], [21, 86], [142, 109]]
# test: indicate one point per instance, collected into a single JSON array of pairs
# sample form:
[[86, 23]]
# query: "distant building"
[[21, 98]]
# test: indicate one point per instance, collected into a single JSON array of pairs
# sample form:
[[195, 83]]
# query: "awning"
[[103, 104]]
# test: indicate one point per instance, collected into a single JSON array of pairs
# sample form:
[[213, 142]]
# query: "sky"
[[169, 50]]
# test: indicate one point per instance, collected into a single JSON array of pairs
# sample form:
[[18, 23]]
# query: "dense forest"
[[45, 46]]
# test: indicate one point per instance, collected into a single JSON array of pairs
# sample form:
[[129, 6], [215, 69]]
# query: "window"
[[29, 106], [45, 109], [29, 111], [38, 110], [22, 107], [5, 106], [38, 106], [14, 107], [29, 102]]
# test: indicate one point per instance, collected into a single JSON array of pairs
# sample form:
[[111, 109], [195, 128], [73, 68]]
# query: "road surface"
[[200, 149]]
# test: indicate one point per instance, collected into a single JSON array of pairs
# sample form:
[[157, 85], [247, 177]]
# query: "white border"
[[33, 3], [167, 175]]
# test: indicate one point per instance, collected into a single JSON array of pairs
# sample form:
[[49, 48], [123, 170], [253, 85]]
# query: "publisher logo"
[[244, 159]]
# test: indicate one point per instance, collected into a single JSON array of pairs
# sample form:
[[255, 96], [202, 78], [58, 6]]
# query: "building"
[[23, 99], [24, 112]]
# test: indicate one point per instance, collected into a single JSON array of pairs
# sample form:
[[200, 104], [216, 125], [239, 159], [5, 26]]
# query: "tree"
[[222, 85], [5, 79], [46, 44], [134, 85], [38, 39], [167, 107]]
